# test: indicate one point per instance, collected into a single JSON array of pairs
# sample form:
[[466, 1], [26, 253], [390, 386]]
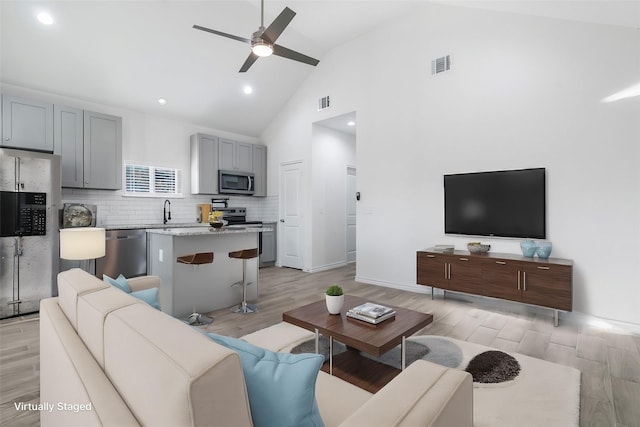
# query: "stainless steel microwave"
[[234, 182]]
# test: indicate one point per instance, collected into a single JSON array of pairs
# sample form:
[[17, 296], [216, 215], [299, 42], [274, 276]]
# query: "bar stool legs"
[[244, 255], [200, 258]]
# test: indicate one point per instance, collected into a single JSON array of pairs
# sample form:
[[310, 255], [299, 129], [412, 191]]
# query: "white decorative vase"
[[334, 303]]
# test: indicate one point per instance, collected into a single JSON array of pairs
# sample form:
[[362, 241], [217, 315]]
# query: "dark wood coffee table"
[[359, 336]]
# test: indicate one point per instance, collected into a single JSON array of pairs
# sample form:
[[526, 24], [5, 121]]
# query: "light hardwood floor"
[[608, 359]]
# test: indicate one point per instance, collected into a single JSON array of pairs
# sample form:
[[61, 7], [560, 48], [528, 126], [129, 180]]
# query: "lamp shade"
[[82, 243]]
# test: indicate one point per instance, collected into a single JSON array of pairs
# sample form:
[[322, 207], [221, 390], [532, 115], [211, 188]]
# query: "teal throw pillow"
[[120, 282], [281, 386], [150, 296]]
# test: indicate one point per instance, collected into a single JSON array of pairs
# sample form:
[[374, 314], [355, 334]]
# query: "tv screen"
[[502, 203]]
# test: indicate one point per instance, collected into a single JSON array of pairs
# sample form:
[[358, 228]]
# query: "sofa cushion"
[[281, 386], [282, 336], [119, 282], [70, 374], [169, 374], [73, 284], [93, 309]]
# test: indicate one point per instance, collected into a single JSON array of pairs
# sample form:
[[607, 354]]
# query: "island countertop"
[[203, 230]]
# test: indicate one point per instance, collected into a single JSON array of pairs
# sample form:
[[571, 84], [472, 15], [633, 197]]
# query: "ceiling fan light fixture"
[[262, 49]]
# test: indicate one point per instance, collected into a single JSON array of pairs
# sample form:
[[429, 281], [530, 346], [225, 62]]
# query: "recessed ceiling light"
[[247, 89], [162, 101], [45, 18], [351, 123]]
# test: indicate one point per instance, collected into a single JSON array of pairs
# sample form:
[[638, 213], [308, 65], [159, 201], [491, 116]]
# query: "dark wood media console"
[[546, 283]]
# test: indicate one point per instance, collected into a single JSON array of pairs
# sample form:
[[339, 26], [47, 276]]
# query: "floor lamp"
[[82, 244]]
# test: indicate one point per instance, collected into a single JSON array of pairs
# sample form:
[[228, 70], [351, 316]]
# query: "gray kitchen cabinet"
[[27, 124], [90, 145], [235, 156], [204, 164], [269, 245], [260, 170], [102, 151], [68, 142]]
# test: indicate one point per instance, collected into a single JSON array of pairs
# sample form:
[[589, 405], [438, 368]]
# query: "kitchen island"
[[203, 288]]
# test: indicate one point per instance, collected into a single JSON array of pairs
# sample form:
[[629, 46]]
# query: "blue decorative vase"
[[528, 248], [543, 249]]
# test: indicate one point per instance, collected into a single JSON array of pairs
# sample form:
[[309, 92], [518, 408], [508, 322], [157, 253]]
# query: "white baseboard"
[[326, 267], [411, 288]]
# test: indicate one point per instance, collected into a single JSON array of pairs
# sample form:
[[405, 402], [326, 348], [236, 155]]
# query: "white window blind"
[[150, 180]]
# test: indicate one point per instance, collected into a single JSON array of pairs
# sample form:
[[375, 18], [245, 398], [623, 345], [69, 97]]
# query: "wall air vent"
[[440, 65], [323, 103]]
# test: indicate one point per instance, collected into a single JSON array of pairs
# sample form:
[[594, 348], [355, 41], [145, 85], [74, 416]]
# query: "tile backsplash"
[[115, 209]]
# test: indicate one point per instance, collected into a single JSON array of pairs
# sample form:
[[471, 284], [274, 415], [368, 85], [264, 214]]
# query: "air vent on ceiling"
[[440, 65], [323, 103]]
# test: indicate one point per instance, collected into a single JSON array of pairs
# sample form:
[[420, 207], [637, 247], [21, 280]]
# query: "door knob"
[[282, 220]]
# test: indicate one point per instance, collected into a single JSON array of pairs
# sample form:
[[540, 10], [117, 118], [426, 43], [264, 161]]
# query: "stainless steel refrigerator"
[[29, 235]]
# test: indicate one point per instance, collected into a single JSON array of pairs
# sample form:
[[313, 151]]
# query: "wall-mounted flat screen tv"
[[509, 203]]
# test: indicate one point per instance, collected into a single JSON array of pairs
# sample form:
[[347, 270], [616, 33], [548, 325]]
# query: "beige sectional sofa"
[[109, 359]]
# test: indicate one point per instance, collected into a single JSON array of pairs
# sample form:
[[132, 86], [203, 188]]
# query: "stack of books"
[[371, 313]]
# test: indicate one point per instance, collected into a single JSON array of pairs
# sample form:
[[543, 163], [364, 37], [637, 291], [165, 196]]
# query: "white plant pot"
[[334, 303]]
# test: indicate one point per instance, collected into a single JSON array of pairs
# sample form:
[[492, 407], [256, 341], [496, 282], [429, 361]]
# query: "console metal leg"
[[317, 341], [403, 351], [432, 293], [555, 318], [331, 355]]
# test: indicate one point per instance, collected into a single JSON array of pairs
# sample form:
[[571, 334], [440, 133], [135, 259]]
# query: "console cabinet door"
[[548, 285], [501, 279], [464, 273], [27, 124], [432, 270]]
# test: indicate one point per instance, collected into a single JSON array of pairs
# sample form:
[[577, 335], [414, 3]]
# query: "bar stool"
[[244, 255], [200, 258]]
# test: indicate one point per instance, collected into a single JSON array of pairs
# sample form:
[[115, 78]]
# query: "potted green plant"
[[335, 298]]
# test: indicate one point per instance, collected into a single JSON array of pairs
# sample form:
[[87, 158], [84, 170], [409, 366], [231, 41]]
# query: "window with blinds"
[[151, 180]]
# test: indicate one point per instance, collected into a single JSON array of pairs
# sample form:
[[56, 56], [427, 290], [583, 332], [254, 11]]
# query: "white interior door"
[[291, 225], [351, 214]]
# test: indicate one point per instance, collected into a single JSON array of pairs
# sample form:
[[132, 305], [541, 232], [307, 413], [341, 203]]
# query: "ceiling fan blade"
[[292, 54], [249, 62], [278, 25], [220, 33]]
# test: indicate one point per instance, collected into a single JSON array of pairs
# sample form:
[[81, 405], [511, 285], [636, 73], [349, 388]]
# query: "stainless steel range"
[[236, 216]]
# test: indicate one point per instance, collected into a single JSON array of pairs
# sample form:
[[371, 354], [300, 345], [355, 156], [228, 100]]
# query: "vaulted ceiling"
[[128, 54]]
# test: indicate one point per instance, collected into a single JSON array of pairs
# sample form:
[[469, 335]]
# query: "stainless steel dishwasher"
[[126, 254]]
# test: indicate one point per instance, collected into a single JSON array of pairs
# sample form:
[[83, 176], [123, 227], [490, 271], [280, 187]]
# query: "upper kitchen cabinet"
[[27, 124], [235, 156], [260, 170], [68, 142], [90, 145], [204, 164], [102, 151]]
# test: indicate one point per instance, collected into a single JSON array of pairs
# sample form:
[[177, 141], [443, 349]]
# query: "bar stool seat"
[[199, 258], [196, 259], [244, 255]]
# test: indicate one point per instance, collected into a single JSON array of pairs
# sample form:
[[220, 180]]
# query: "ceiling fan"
[[263, 41]]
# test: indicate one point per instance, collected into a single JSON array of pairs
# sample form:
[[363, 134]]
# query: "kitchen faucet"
[[164, 211]]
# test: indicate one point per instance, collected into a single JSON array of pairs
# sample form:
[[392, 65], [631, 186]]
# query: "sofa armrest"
[[424, 394], [143, 282]]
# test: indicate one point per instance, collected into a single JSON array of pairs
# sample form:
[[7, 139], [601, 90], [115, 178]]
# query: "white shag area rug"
[[544, 394]]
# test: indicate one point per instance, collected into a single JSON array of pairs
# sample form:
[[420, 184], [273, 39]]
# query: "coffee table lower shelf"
[[361, 371]]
